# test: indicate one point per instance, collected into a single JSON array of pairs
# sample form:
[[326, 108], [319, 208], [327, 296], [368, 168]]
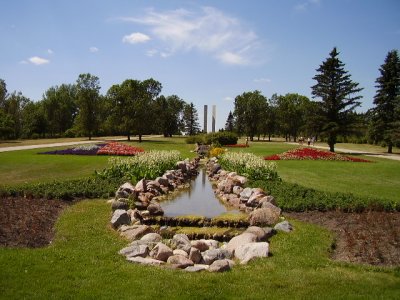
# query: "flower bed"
[[305, 153], [237, 146], [79, 150], [115, 148]]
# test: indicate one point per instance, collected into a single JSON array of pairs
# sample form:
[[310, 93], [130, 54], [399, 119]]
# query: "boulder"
[[180, 252], [215, 168], [163, 181], [221, 265], [258, 231], [180, 261], [121, 203], [244, 238], [152, 237], [125, 190], [141, 186], [145, 261], [254, 200], [264, 216], [241, 180], [267, 199], [212, 255], [237, 190], [197, 268], [247, 252], [138, 250], [284, 226], [195, 255], [120, 217], [245, 194], [155, 209], [137, 232], [181, 241], [200, 244], [181, 165], [161, 252]]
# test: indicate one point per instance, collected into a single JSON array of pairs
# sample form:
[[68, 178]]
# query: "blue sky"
[[206, 52]]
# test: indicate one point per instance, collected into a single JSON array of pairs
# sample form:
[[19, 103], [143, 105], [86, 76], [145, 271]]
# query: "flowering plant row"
[[304, 153], [237, 146], [144, 165], [248, 165], [113, 148]]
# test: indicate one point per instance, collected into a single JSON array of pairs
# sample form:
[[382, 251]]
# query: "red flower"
[[237, 146], [115, 148]]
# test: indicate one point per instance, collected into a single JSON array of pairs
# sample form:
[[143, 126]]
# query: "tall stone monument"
[[205, 118], [214, 116]]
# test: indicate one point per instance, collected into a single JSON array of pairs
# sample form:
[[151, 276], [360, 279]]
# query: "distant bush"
[[216, 138], [193, 139], [293, 197]]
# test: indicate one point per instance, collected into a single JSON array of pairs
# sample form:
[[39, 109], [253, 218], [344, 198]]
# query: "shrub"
[[193, 139], [221, 138]]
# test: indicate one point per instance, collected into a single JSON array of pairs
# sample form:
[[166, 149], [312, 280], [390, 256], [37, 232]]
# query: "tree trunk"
[[140, 138], [269, 137], [390, 148], [331, 147], [129, 137]]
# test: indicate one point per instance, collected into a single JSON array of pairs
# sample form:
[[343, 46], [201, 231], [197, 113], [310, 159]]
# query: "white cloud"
[[93, 49], [208, 31], [135, 38], [228, 98], [151, 52], [262, 80], [23, 62], [49, 51], [36, 60], [305, 5]]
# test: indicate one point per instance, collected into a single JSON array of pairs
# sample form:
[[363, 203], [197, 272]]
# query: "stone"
[[195, 255], [284, 226], [215, 168], [264, 216], [274, 208], [237, 190], [152, 237], [139, 205], [141, 186], [163, 181], [245, 194], [240, 180], [212, 255], [212, 244], [220, 266], [269, 231], [180, 252], [239, 240], [199, 244], [155, 209], [197, 268], [161, 252], [137, 250], [181, 165], [267, 199], [137, 232], [145, 261], [120, 204], [181, 241], [258, 231], [120, 217], [179, 261], [247, 252], [254, 200]]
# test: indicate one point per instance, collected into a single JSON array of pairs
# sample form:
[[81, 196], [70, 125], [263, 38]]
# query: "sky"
[[206, 52]]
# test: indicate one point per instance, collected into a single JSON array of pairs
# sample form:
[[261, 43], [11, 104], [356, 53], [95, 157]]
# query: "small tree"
[[230, 122], [190, 119], [385, 114], [338, 95]]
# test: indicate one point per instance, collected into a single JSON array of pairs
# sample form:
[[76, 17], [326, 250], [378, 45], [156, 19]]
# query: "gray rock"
[[200, 244], [120, 204], [137, 232], [180, 261], [141, 186], [181, 165], [162, 181], [269, 231], [239, 240], [272, 207], [240, 179], [237, 190], [155, 209], [120, 217], [258, 231], [161, 252], [180, 252], [220, 266], [125, 190], [215, 168], [145, 261], [254, 200], [152, 237], [267, 199], [212, 255], [284, 226], [181, 241], [212, 244], [139, 250], [197, 268], [131, 249], [195, 255], [264, 216], [247, 252], [245, 194]]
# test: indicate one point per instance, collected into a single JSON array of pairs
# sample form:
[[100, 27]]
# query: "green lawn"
[[82, 262]]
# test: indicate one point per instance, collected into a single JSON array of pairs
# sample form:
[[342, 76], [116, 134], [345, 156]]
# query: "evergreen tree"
[[190, 119], [230, 122], [386, 113], [339, 97]]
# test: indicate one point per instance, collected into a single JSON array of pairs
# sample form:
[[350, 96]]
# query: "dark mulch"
[[369, 237], [28, 222]]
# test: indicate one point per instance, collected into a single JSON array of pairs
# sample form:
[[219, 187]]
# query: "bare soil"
[[28, 222], [368, 238]]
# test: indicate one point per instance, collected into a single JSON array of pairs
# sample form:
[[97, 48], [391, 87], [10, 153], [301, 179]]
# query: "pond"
[[199, 199]]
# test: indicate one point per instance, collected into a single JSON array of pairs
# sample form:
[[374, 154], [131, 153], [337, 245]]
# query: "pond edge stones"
[[148, 247]]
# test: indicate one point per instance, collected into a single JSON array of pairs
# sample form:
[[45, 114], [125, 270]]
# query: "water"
[[198, 200]]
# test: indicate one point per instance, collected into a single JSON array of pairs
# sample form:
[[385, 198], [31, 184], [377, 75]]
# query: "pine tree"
[[386, 113], [338, 94], [229, 125], [190, 119]]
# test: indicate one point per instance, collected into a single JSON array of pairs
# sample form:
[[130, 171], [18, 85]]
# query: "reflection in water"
[[198, 200]]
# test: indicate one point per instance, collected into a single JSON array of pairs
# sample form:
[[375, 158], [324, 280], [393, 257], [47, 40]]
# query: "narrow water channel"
[[199, 199]]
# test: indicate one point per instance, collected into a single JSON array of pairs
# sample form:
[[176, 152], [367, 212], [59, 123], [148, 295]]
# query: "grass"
[[82, 262]]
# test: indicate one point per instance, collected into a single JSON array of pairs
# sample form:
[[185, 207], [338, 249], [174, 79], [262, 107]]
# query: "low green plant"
[[147, 165], [249, 165]]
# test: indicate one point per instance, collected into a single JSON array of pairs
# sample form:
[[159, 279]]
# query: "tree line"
[[331, 117], [131, 108]]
